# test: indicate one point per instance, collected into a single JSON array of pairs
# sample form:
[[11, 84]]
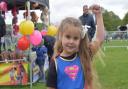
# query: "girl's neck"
[[65, 54], [68, 57]]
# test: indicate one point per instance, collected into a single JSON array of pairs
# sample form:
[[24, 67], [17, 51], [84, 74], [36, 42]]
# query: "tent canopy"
[[123, 28], [20, 4], [42, 2]]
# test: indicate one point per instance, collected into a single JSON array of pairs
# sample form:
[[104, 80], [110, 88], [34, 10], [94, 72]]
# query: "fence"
[[116, 39]]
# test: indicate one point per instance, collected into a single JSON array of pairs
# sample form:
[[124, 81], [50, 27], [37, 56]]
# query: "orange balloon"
[[23, 43]]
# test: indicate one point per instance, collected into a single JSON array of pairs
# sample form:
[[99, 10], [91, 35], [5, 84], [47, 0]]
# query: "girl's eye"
[[67, 36], [76, 38]]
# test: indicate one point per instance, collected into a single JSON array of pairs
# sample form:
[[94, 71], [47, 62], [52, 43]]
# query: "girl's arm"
[[100, 32], [52, 76]]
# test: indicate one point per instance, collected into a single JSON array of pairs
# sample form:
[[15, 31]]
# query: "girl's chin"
[[70, 52]]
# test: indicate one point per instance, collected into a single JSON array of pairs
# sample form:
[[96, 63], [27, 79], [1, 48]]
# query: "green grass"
[[116, 43], [34, 86], [114, 75]]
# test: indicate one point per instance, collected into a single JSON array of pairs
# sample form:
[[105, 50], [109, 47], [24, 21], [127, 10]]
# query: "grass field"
[[114, 75], [116, 43]]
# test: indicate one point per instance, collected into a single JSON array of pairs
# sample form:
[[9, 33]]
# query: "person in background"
[[41, 52], [88, 21], [73, 52], [49, 42], [44, 17], [2, 31], [34, 19]]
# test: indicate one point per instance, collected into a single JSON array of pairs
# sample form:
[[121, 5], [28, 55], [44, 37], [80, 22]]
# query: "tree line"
[[112, 21]]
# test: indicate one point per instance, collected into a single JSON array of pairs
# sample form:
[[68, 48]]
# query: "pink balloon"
[[3, 6], [36, 38], [44, 32]]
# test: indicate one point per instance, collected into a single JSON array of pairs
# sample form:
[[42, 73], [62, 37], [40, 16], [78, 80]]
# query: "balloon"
[[23, 43], [26, 27], [44, 32], [3, 6], [36, 38], [52, 30]]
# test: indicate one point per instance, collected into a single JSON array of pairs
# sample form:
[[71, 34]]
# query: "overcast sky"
[[60, 9]]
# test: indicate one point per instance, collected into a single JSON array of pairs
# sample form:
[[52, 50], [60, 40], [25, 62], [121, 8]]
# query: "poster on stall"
[[35, 73], [35, 68], [15, 73]]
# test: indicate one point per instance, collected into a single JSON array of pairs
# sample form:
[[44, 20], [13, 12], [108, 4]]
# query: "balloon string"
[[28, 9]]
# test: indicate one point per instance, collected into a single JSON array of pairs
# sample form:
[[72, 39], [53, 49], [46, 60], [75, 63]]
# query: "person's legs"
[[0, 45], [42, 73], [0, 50], [4, 46]]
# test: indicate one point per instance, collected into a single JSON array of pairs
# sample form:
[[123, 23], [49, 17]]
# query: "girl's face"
[[71, 40]]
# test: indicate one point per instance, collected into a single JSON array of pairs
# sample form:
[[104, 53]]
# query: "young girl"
[[71, 67]]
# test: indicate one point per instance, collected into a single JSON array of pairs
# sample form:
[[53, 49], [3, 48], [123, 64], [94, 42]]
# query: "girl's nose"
[[71, 40]]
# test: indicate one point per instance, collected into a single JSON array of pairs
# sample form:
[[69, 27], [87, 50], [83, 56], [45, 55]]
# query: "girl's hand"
[[96, 9]]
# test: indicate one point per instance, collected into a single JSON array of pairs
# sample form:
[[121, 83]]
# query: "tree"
[[125, 19], [111, 21]]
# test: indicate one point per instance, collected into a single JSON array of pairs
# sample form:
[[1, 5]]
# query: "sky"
[[59, 9]]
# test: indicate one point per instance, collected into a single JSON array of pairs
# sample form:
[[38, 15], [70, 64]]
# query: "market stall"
[[17, 62]]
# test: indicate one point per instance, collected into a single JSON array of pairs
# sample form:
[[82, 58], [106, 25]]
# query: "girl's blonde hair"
[[84, 51]]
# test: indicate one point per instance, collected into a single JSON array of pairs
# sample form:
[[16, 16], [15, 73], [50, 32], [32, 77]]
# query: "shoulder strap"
[[55, 64]]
